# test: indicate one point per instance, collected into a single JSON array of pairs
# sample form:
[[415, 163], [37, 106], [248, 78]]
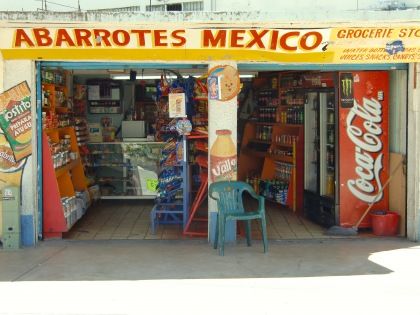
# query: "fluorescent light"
[[155, 77], [139, 77]]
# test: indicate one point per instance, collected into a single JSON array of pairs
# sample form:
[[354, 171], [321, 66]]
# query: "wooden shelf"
[[286, 159], [54, 85], [50, 130], [202, 150], [58, 183], [254, 152], [280, 107], [264, 123], [283, 145], [62, 109], [63, 169], [260, 141]]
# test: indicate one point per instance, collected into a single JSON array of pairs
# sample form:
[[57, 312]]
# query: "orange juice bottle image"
[[223, 159]]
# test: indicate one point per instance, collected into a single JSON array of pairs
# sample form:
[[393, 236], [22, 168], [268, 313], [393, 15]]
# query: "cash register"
[[133, 130]]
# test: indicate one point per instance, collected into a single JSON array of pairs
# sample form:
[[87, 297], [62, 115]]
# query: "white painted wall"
[[298, 5], [247, 16], [413, 153], [16, 71]]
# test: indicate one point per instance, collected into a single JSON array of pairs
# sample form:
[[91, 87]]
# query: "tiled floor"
[[130, 220]]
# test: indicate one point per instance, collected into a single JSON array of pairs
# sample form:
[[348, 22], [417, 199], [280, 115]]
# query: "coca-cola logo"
[[367, 141]]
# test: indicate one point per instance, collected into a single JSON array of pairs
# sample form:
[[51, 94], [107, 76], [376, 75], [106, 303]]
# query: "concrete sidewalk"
[[130, 277]]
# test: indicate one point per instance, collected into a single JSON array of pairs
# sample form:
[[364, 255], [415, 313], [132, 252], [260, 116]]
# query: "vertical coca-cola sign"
[[364, 144]]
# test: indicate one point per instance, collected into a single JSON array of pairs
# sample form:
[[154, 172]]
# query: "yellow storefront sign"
[[203, 44]]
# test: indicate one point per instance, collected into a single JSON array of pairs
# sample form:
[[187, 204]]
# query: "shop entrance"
[[109, 151], [114, 160]]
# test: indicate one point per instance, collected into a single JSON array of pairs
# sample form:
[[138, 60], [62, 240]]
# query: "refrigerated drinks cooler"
[[363, 144], [320, 156], [346, 148]]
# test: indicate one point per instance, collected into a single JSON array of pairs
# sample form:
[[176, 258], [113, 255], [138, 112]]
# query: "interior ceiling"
[[139, 71], [185, 68]]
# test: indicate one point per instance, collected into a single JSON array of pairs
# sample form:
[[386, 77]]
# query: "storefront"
[[322, 135]]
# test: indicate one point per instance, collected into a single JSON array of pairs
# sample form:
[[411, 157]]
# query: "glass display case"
[[125, 170], [320, 156]]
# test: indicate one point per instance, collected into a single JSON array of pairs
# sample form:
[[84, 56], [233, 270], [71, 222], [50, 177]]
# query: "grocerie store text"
[[265, 39]]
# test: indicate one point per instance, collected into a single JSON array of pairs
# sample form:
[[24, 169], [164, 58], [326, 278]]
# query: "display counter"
[[125, 170]]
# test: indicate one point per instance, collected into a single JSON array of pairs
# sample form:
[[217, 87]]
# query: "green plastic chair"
[[228, 195]]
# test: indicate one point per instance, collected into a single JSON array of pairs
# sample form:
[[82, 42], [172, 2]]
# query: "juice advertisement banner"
[[364, 144]]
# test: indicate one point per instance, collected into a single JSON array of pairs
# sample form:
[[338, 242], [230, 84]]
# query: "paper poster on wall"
[[94, 93], [223, 83], [16, 120], [213, 84], [223, 157], [176, 105]]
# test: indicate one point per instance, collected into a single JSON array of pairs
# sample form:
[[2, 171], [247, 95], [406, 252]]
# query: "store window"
[[185, 6]]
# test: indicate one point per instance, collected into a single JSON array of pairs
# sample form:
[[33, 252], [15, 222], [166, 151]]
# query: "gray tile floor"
[[109, 220]]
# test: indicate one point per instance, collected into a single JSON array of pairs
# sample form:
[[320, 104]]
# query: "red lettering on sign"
[[235, 37], [181, 40], [83, 37], [158, 37], [303, 42], [211, 40], [121, 37], [22, 38], [273, 41], [285, 37], [257, 38], [64, 37], [141, 40], [42, 37], [102, 36]]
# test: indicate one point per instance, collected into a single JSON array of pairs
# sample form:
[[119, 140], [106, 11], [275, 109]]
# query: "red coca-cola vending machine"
[[363, 144]]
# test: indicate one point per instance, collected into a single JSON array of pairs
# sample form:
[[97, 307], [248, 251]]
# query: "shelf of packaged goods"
[[197, 135], [200, 99], [280, 158], [260, 141], [254, 153], [291, 88], [54, 84], [62, 110], [106, 152], [50, 130], [202, 150], [290, 125], [263, 123], [287, 145], [286, 106], [63, 169]]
